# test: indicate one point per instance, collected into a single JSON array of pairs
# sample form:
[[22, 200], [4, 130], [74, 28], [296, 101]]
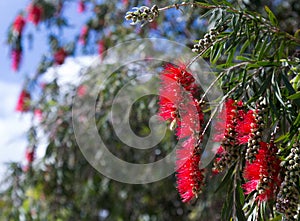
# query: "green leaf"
[[263, 50], [245, 46], [276, 218], [281, 138], [216, 53], [272, 17], [297, 34], [281, 49], [294, 96], [230, 56], [265, 85], [242, 58], [268, 63], [226, 179], [240, 200], [287, 84]]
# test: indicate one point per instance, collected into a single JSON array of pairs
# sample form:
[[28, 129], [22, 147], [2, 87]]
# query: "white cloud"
[[14, 125], [68, 72]]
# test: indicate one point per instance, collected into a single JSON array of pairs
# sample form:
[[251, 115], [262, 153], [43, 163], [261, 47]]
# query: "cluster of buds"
[[206, 41], [256, 130], [288, 196], [143, 13], [229, 151]]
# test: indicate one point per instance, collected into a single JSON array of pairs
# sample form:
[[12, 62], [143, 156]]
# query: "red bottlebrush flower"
[[23, 102], [101, 48], [16, 56], [175, 90], [153, 25], [167, 109], [125, 2], [84, 34], [220, 152], [35, 13], [190, 178], [19, 24], [191, 117], [178, 103], [243, 127], [180, 75], [60, 56], [226, 133], [38, 114], [81, 6], [29, 155], [225, 119], [263, 173], [81, 91]]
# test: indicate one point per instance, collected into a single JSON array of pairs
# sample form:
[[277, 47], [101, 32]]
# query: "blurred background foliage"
[[62, 185]]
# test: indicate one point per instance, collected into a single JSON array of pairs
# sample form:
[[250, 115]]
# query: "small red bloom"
[[225, 120], [125, 2], [35, 13], [176, 94], [153, 25], [38, 114], [191, 117], [190, 178], [81, 91], [19, 24], [167, 109], [60, 56], [23, 102], [180, 75], [29, 155], [101, 48], [25, 168], [81, 6], [16, 56], [243, 127], [263, 173], [84, 34]]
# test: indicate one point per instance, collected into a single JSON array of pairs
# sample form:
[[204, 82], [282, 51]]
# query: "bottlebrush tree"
[[252, 50]]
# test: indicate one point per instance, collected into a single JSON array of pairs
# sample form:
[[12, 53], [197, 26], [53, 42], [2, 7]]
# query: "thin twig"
[[215, 110], [220, 75], [265, 22], [177, 6]]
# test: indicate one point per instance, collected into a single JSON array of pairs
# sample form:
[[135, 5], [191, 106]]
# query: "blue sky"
[[14, 125]]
